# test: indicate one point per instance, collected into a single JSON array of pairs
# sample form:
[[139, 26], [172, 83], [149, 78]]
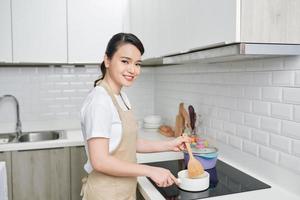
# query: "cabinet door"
[[39, 31], [78, 159], [41, 174], [90, 26], [5, 33], [269, 21], [172, 26], [144, 23], [6, 156]]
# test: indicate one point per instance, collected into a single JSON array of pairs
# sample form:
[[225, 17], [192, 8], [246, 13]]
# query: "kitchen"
[[236, 61]]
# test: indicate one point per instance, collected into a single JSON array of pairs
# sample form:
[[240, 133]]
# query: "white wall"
[[253, 106], [51, 97]]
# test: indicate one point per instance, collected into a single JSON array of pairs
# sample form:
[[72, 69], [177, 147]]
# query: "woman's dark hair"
[[114, 43]]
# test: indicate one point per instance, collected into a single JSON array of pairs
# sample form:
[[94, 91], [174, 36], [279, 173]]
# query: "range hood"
[[222, 52]]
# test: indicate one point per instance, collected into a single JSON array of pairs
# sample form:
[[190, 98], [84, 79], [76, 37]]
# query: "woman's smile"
[[129, 77]]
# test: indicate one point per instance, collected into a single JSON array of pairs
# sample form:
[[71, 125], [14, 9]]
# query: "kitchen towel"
[[3, 182]]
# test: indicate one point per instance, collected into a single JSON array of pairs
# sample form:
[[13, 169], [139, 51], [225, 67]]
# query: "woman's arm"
[[103, 162], [147, 146]]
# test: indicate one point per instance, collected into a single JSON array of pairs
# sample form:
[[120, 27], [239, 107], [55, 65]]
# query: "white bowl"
[[151, 126], [152, 119], [193, 184]]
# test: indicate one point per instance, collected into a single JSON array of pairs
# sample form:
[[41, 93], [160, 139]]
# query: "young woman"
[[110, 129]]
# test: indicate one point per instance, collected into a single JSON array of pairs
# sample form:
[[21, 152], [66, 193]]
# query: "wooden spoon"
[[195, 168]]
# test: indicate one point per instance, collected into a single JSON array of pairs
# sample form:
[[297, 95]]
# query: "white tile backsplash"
[[296, 147], [250, 105], [272, 94], [237, 117], [291, 95], [271, 124], [262, 78], [235, 142], [56, 93], [243, 132], [244, 105], [281, 143], [253, 92], [297, 113], [261, 108], [222, 137], [297, 78], [291, 129], [282, 111], [269, 154], [229, 127], [252, 120], [260, 137], [290, 162], [250, 147], [283, 78]]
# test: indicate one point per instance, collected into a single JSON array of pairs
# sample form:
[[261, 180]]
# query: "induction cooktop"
[[224, 180]]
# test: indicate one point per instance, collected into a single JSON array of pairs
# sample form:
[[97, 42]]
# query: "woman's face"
[[124, 67]]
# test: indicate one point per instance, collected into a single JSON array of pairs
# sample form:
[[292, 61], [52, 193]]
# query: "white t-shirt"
[[99, 118]]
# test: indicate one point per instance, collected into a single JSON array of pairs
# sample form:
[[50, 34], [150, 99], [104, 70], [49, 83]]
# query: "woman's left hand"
[[178, 143]]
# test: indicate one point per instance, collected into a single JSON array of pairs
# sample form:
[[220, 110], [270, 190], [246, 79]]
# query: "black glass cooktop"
[[224, 179]]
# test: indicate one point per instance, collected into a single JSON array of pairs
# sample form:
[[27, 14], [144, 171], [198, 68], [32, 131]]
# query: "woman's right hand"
[[162, 177]]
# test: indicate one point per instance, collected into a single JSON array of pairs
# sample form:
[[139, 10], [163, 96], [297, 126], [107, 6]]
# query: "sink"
[[7, 138], [40, 136]]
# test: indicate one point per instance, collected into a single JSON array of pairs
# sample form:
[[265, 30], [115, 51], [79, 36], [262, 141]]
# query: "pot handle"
[[179, 181]]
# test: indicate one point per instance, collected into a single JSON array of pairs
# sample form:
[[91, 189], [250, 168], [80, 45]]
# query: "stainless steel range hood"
[[227, 52]]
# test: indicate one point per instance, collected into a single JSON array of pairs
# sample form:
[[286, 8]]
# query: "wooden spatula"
[[195, 169]]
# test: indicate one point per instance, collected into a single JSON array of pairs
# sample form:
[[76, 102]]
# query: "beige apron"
[[99, 186]]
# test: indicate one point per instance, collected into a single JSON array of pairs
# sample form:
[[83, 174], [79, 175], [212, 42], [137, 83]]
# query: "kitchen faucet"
[[18, 125]]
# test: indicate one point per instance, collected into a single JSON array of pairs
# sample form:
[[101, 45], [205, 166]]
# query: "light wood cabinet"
[[5, 33], [39, 31], [270, 21], [78, 159], [6, 157], [90, 26], [173, 26], [41, 174]]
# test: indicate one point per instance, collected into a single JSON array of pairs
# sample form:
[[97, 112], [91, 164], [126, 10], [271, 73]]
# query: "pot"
[[193, 184], [206, 156]]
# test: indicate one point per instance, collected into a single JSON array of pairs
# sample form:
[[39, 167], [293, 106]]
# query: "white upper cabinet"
[[39, 31], [5, 32], [173, 26], [90, 26]]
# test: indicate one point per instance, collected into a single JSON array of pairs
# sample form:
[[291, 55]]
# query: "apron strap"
[[111, 94], [83, 187]]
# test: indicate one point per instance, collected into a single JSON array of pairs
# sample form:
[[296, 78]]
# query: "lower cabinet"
[[6, 157], [78, 159], [41, 174]]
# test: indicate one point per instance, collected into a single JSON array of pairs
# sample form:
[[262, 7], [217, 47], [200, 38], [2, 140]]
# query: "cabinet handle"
[[41, 149]]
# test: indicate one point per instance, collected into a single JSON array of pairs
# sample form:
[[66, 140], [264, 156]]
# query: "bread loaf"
[[166, 131]]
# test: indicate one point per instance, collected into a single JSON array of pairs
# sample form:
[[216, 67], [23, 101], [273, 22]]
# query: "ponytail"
[[103, 70]]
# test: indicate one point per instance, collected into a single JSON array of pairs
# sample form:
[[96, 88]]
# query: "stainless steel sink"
[[7, 138], [40, 136]]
